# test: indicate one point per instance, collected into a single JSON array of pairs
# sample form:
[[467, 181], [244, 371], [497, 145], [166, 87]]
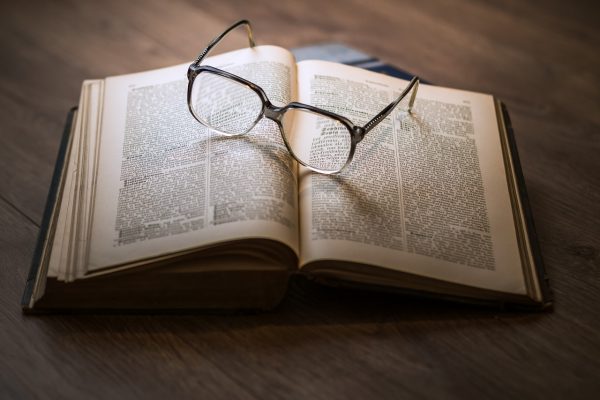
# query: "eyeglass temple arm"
[[216, 40], [414, 84]]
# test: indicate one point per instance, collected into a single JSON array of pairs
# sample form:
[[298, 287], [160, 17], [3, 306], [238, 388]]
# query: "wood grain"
[[541, 58]]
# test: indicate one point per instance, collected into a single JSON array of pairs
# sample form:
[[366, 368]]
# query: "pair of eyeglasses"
[[322, 141]]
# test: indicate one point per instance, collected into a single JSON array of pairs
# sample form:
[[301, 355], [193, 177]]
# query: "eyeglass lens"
[[224, 104]]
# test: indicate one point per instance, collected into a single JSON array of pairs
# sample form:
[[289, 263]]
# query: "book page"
[[74, 217], [426, 193], [166, 183]]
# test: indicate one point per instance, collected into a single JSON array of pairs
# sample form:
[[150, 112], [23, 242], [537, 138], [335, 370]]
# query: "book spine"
[[50, 204]]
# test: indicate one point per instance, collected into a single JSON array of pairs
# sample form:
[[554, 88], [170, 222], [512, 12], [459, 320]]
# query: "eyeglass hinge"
[[191, 73], [359, 133]]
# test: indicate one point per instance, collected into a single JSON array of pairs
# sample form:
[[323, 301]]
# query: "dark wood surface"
[[541, 58]]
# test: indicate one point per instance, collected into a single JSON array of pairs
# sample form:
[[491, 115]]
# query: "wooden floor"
[[542, 59]]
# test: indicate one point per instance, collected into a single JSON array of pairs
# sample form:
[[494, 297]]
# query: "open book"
[[151, 210]]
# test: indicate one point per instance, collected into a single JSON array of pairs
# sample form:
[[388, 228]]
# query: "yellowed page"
[[57, 264], [78, 184], [425, 194], [165, 183], [86, 181]]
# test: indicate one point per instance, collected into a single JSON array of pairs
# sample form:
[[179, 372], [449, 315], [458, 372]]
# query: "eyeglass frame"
[[274, 113]]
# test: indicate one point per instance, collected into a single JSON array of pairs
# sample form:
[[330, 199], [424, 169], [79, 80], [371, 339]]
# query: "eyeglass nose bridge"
[[273, 112]]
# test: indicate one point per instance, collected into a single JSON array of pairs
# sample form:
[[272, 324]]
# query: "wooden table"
[[542, 60]]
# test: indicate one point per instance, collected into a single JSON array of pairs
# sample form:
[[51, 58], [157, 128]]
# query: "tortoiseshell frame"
[[274, 113]]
